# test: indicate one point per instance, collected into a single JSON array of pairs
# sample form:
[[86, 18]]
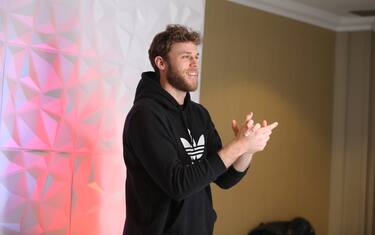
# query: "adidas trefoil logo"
[[194, 150]]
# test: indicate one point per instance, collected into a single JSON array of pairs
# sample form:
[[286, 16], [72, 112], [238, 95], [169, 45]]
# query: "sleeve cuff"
[[217, 165], [236, 173]]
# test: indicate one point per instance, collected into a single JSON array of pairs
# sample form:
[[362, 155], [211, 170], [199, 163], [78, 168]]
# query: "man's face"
[[183, 68]]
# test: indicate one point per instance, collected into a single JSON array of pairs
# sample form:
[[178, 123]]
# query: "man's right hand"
[[256, 138]]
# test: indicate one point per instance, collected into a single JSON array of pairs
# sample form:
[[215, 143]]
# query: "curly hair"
[[163, 41]]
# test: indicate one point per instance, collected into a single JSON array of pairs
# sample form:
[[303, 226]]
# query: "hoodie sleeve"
[[231, 176], [151, 145]]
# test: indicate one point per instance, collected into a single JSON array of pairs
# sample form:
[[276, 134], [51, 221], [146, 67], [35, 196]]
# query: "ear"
[[160, 63]]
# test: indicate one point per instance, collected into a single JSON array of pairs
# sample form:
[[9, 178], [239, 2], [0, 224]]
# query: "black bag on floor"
[[297, 226]]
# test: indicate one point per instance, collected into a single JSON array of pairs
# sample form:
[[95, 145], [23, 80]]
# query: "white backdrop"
[[68, 71]]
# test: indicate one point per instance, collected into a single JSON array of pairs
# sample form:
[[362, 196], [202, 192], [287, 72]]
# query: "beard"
[[178, 81]]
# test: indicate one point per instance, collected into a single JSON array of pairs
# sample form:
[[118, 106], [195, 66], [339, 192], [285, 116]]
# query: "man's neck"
[[178, 95]]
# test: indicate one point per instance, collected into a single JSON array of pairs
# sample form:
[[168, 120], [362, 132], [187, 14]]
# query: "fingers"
[[256, 127], [250, 123], [263, 129], [249, 116], [270, 127], [235, 127], [273, 125], [251, 127], [234, 124], [248, 120], [267, 130]]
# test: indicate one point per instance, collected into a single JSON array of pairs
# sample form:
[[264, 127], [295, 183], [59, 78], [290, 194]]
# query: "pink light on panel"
[[60, 136]]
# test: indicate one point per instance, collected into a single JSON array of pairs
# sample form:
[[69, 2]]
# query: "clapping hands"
[[253, 137]]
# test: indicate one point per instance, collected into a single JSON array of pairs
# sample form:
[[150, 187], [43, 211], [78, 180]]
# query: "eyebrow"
[[187, 52]]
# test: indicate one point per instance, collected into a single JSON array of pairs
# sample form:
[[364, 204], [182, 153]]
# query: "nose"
[[194, 62]]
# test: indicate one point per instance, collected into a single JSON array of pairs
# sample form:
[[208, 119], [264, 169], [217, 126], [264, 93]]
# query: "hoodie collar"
[[149, 87]]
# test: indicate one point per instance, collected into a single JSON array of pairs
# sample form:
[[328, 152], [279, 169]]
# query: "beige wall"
[[282, 70]]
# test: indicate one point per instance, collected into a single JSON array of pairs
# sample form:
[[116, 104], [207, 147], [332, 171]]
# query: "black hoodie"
[[170, 152]]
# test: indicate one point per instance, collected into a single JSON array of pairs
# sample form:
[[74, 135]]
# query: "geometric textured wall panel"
[[68, 73], [35, 192]]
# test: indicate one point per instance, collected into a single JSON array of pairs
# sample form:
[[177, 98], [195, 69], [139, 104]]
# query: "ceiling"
[[340, 7], [330, 14]]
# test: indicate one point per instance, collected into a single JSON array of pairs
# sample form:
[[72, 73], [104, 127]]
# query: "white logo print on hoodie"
[[194, 150]]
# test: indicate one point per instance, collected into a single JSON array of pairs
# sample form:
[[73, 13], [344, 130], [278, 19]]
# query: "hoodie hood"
[[149, 87]]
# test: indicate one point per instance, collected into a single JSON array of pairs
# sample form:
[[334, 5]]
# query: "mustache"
[[193, 71]]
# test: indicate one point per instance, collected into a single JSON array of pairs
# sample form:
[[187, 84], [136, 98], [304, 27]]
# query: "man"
[[171, 148]]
